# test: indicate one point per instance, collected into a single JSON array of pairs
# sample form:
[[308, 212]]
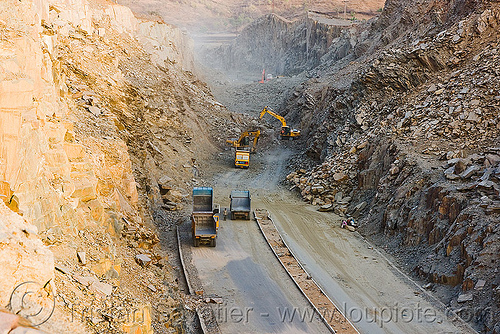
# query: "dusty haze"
[[202, 16]]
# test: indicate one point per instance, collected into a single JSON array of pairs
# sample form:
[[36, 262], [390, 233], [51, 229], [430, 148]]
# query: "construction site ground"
[[243, 271], [333, 318]]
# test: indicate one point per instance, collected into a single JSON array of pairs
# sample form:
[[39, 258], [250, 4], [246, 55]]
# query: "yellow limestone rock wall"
[[51, 177], [166, 43], [163, 42], [37, 155], [48, 176], [28, 157]]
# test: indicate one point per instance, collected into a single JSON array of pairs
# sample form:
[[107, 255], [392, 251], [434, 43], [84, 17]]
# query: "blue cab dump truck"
[[240, 204], [204, 219]]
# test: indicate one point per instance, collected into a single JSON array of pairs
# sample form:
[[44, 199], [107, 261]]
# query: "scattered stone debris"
[[415, 130], [81, 257], [480, 284], [143, 260], [465, 298]]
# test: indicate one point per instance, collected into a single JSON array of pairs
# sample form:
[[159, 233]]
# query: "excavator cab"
[[286, 132], [246, 144], [248, 139], [245, 141]]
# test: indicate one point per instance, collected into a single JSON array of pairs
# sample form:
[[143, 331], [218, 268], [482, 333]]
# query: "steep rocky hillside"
[[102, 129], [407, 138], [400, 117]]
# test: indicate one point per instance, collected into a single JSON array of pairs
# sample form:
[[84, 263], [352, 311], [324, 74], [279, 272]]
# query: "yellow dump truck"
[[244, 145], [204, 219], [242, 158]]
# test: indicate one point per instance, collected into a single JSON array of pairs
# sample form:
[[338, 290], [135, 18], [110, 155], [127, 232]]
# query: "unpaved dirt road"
[[259, 296], [362, 283], [256, 290], [242, 269]]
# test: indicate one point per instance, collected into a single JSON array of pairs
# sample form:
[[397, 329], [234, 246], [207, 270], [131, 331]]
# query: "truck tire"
[[213, 243], [196, 242], [248, 216], [232, 216]]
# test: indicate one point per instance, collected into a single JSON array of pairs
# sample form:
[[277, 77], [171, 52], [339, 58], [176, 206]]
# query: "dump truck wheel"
[[196, 242], [213, 243]]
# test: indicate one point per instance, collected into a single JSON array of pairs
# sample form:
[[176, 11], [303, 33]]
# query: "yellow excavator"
[[243, 146], [286, 132], [248, 139]]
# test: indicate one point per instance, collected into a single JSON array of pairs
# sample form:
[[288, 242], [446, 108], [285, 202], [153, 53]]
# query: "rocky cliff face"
[[408, 134], [199, 16], [283, 47], [38, 144], [75, 136], [23, 256]]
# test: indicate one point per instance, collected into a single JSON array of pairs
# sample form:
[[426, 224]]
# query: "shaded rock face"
[[418, 48], [199, 16], [423, 96], [411, 19], [280, 46]]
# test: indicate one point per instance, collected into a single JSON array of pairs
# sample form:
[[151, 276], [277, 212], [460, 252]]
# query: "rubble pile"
[[23, 257], [329, 184], [99, 280]]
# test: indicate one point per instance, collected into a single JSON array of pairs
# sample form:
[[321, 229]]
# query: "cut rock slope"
[[408, 138], [101, 131]]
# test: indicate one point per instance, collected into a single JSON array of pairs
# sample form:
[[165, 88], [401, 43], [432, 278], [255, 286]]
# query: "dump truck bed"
[[240, 204], [202, 199], [204, 224], [204, 228]]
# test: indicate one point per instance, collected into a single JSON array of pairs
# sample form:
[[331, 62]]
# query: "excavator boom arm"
[[238, 142], [272, 113]]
